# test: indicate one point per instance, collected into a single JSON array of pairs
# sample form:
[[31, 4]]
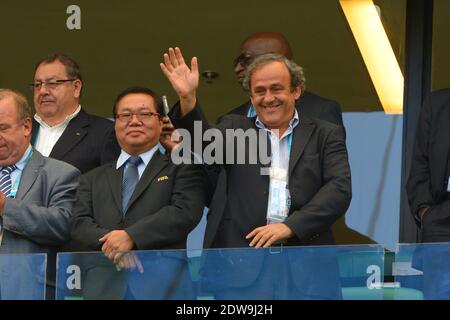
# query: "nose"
[[268, 96], [135, 120], [42, 89]]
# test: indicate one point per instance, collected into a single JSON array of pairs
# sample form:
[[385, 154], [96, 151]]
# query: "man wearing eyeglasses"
[[61, 128], [142, 201], [309, 103]]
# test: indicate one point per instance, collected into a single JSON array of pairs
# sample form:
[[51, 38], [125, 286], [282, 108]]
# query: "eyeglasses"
[[244, 59], [143, 116], [51, 84]]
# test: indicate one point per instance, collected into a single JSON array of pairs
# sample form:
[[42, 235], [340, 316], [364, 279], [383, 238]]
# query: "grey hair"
[[295, 71], [23, 108]]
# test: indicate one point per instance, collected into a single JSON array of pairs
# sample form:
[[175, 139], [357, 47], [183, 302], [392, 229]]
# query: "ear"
[[160, 121], [297, 92], [27, 125], [78, 85], [251, 99]]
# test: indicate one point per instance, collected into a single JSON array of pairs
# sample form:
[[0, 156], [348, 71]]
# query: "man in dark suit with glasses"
[[141, 201], [62, 129]]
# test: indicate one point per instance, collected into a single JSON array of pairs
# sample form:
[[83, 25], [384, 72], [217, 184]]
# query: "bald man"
[[275, 42]]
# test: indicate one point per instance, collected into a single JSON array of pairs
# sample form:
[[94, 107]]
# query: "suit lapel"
[[156, 164], [74, 133], [114, 177], [29, 174], [302, 134], [34, 132]]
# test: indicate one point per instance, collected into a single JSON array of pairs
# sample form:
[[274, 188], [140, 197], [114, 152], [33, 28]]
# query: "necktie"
[[130, 179], [5, 180]]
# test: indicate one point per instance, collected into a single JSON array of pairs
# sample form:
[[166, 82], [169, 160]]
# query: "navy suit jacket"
[[88, 142], [319, 185], [166, 205]]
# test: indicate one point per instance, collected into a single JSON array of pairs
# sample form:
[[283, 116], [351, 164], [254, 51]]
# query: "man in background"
[[62, 129], [308, 103], [428, 192]]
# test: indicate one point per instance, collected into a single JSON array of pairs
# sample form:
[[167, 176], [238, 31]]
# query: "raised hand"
[[183, 79]]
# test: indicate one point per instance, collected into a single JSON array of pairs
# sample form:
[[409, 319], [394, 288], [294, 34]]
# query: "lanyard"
[[15, 186], [289, 137]]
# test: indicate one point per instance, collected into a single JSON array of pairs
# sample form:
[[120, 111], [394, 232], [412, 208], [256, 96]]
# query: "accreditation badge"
[[279, 197]]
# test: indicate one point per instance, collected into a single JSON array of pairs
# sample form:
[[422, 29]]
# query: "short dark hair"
[[73, 70], [132, 90], [23, 108]]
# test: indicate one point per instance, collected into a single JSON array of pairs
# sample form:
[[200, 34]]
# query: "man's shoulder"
[[236, 121], [319, 107], [319, 123], [312, 101], [240, 110], [102, 170], [310, 97], [96, 121], [56, 166]]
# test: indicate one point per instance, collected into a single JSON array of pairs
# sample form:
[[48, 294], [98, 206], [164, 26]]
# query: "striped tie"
[[130, 179], [5, 180]]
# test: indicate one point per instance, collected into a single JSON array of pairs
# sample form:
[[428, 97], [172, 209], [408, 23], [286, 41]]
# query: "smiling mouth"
[[271, 107]]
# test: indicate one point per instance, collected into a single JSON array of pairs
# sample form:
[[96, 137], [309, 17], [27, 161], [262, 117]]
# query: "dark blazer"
[[309, 104], [320, 189], [88, 142], [319, 184], [428, 179], [166, 205]]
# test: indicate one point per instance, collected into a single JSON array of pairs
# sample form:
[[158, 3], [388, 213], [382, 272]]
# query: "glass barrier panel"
[[23, 276], [137, 275], [423, 269], [334, 272], [323, 272]]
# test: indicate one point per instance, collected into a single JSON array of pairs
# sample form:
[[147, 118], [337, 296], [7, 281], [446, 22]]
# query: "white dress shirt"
[[48, 136]]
